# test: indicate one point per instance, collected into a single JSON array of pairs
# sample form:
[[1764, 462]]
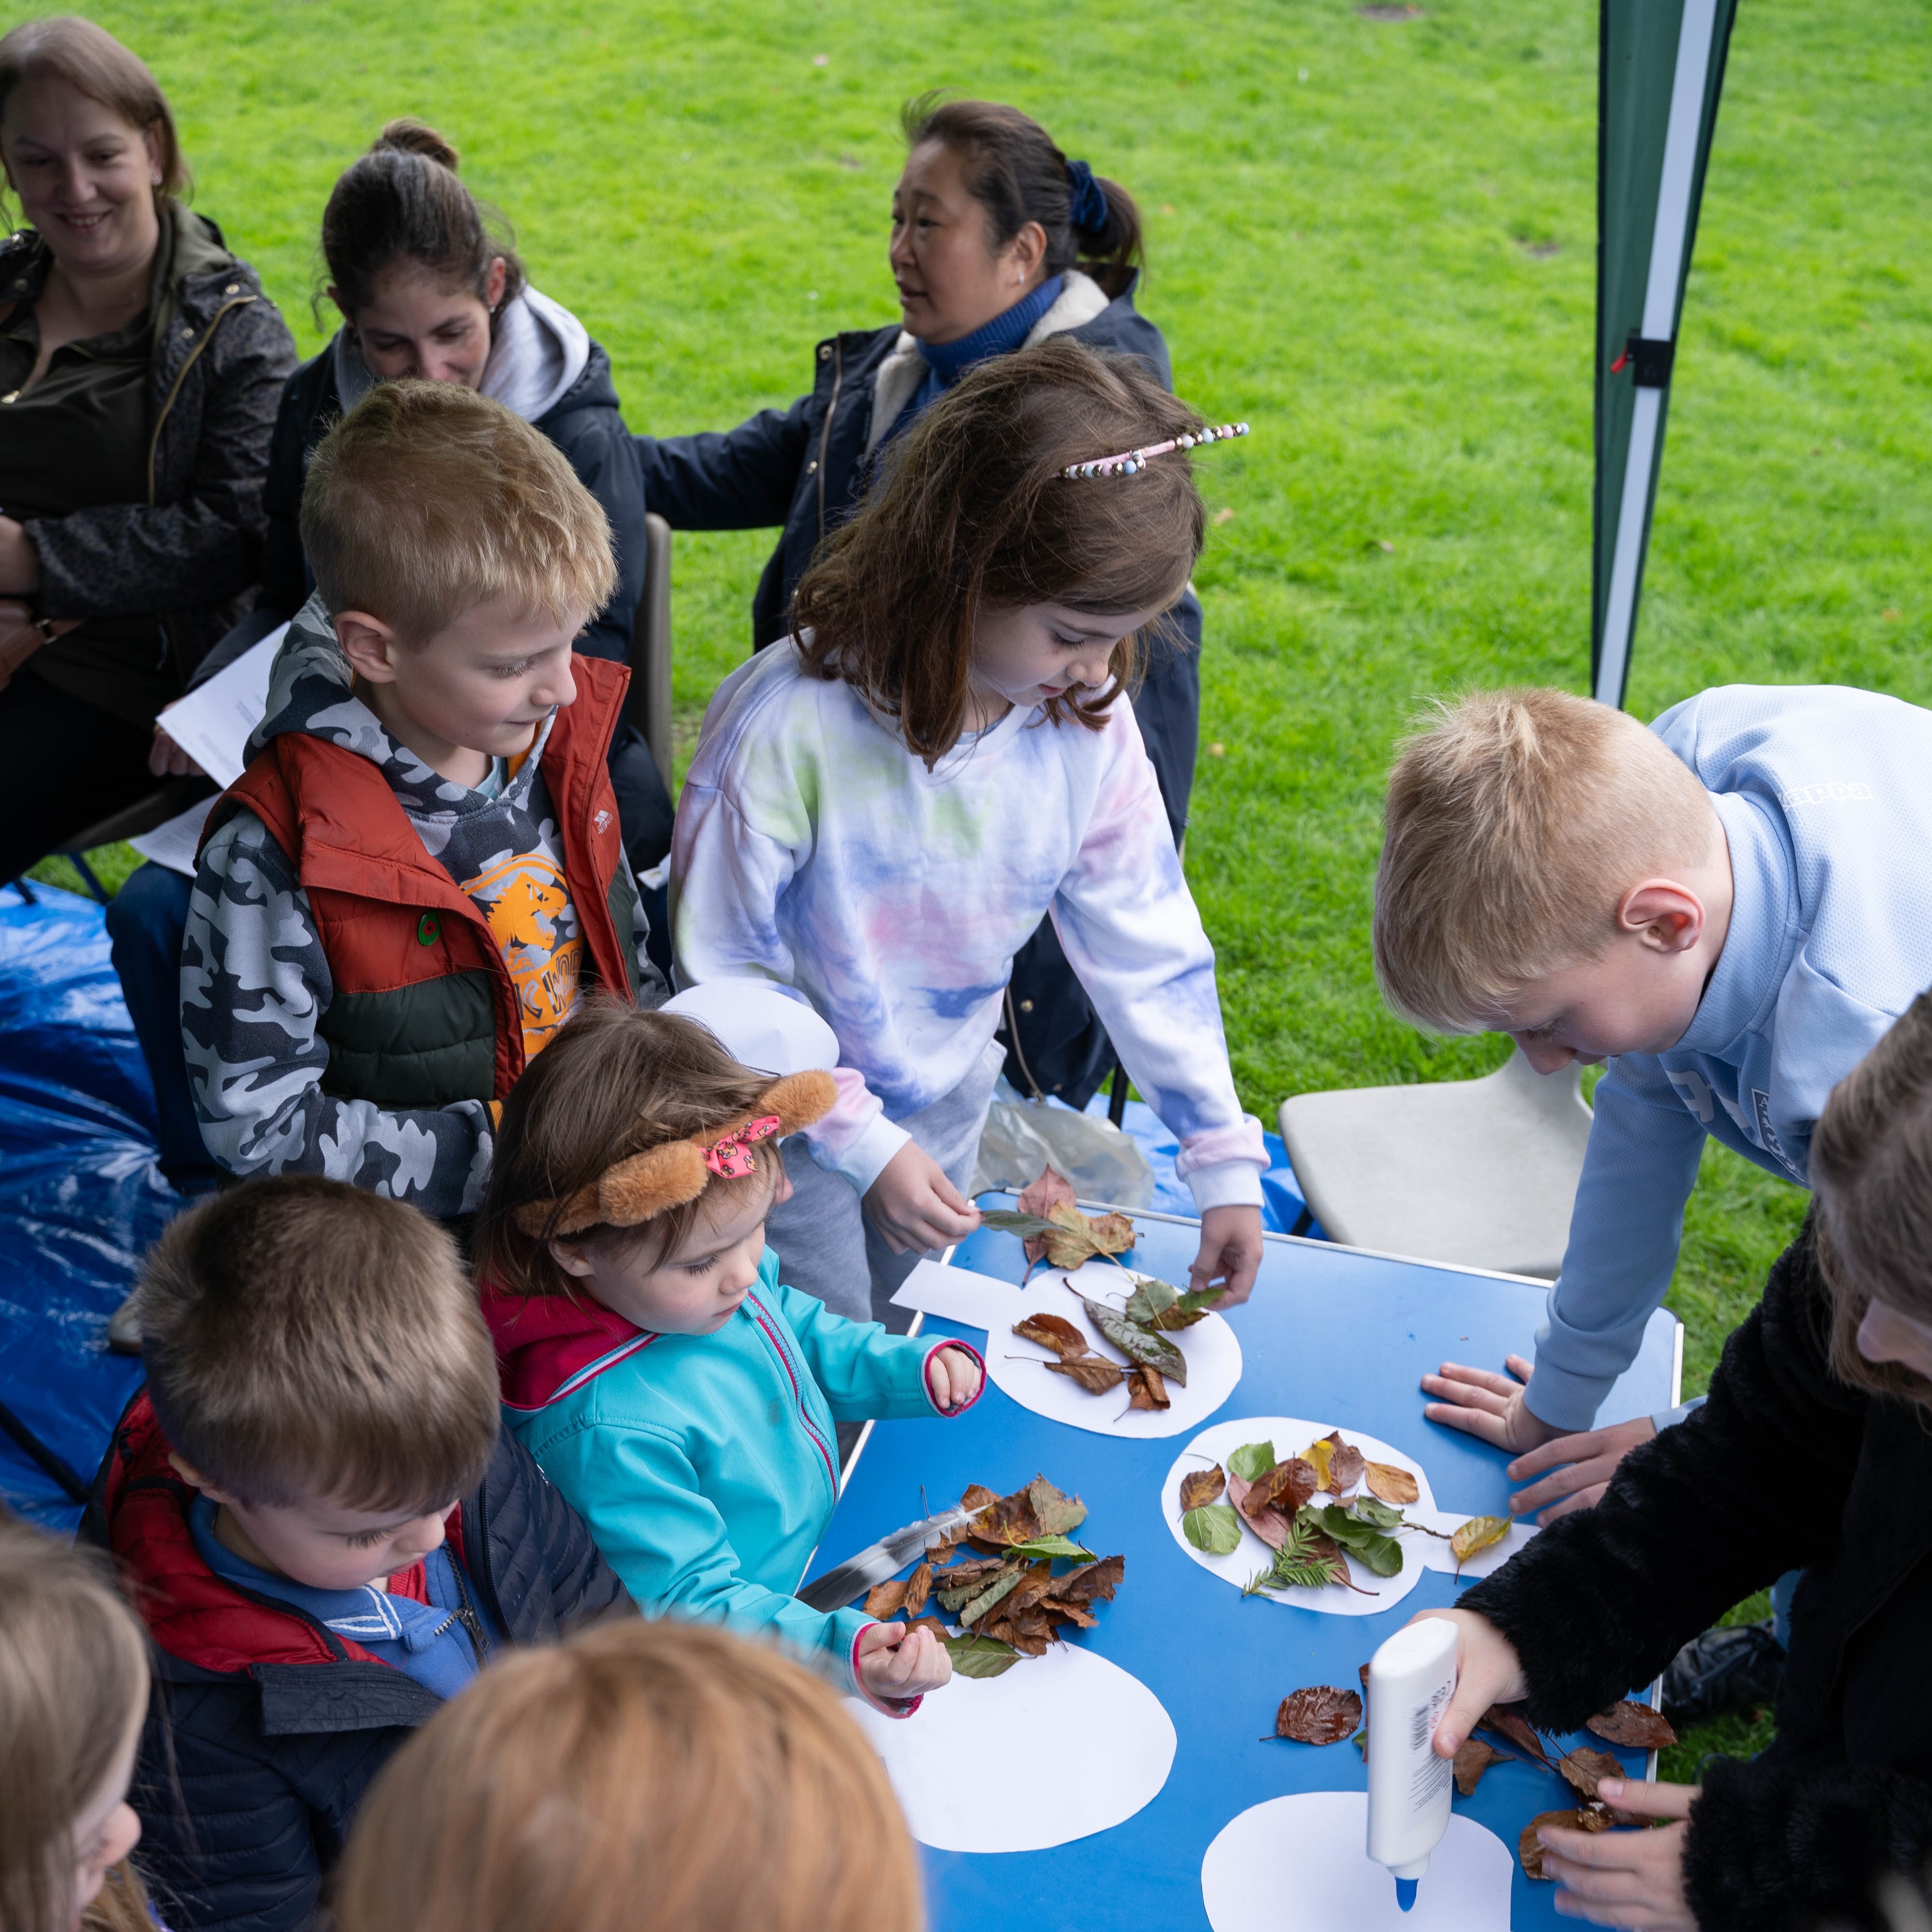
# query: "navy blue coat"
[[806, 469], [266, 1727]]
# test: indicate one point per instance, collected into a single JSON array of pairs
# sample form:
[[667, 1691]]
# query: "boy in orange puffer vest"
[[402, 897]]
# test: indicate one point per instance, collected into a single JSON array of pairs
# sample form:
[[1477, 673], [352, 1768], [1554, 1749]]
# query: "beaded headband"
[[1129, 461], [648, 1184]]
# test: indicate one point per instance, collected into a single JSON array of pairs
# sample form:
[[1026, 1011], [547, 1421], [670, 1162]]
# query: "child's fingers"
[[1649, 1800]]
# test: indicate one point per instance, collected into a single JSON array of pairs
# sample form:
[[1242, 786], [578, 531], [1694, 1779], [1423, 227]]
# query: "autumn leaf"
[[1286, 1486], [1050, 1546], [1029, 1227], [1002, 1586], [1506, 1722], [1200, 1486], [1213, 1527], [1153, 1352], [1146, 1390], [1316, 1457], [1090, 1582], [1074, 1238], [1269, 1525], [1478, 1534], [919, 1587], [1636, 1726], [1473, 1756], [1345, 1470], [1320, 1713], [1585, 1768], [1384, 1515], [886, 1599], [1159, 1305], [964, 1581], [1529, 1847], [1392, 1484], [1051, 1190], [1039, 1509], [1055, 1332], [1251, 1460], [933, 1624], [1094, 1373], [977, 1656]]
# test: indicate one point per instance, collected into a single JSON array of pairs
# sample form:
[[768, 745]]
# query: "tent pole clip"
[[1648, 360]]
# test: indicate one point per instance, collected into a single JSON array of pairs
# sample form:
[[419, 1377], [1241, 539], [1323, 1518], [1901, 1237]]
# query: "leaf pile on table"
[[1053, 1229], [1280, 1501], [995, 1576]]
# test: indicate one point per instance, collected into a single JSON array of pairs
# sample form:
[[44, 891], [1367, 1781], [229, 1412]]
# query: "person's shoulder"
[[768, 702], [1120, 326], [590, 401]]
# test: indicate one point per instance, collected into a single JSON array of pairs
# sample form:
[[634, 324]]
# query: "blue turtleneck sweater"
[[945, 362]]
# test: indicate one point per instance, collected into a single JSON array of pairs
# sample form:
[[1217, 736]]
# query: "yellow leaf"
[[1478, 1533], [1320, 1454]]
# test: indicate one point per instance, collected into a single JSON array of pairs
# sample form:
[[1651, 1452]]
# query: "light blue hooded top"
[[1825, 797]]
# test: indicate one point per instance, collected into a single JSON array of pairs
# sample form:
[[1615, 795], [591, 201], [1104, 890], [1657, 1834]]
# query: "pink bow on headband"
[[731, 1156]]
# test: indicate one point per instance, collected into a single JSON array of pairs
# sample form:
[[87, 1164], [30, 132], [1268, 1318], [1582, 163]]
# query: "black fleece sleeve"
[[599, 450], [1710, 1510], [739, 479]]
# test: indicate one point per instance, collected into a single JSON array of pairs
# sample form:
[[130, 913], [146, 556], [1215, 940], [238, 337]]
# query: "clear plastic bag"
[[1022, 1138]]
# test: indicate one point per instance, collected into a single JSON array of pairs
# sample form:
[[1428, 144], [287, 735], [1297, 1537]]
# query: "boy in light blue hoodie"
[[1729, 910], [681, 1398]]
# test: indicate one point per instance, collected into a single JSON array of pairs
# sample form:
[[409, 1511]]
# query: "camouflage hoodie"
[[256, 982]]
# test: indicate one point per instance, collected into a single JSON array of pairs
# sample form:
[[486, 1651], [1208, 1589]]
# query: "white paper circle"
[[974, 1772], [1300, 1861], [1290, 1435], [1213, 1359]]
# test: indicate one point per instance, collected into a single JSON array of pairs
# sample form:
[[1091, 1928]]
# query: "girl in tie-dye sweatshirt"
[[883, 805]]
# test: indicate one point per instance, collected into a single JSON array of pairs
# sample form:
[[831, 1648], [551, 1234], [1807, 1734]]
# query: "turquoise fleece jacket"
[[706, 1465], [1825, 795]]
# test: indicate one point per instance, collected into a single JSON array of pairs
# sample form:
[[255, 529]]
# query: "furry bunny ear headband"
[[645, 1185]]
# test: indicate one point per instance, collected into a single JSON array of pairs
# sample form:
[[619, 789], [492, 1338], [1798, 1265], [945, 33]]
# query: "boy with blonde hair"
[[1729, 909], [314, 1511], [401, 899]]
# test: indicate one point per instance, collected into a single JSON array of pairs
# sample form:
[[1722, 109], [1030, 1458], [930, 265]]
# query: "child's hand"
[[914, 1206], [1633, 1879], [1488, 1406], [1584, 1465], [1230, 1252], [1487, 1672], [953, 1377], [897, 1662]]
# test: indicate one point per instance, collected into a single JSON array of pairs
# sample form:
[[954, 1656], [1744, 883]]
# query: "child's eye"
[[698, 1267], [513, 669], [367, 1539]]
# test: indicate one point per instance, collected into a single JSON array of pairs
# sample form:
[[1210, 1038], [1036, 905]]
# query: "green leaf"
[[1028, 1227], [1305, 1575], [1007, 1581], [1159, 1305], [1214, 1527], [1136, 1343], [980, 1656], [1252, 1461], [1382, 1554], [1050, 1546], [1384, 1515]]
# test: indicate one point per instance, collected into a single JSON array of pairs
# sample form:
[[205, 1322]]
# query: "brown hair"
[[645, 1776], [401, 203], [1870, 1166], [1017, 175], [426, 499], [73, 1684], [64, 47], [1517, 820], [973, 512], [305, 1340], [614, 1082]]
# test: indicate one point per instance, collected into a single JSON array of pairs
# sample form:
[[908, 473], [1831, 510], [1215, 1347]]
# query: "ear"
[[1664, 916], [151, 143], [1026, 251], [570, 1257], [371, 646], [494, 283], [194, 1479]]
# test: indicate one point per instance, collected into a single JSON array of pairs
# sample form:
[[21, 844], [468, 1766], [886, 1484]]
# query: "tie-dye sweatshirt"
[[255, 980], [813, 849]]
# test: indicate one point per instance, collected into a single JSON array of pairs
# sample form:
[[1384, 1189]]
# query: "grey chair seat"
[[1478, 1173]]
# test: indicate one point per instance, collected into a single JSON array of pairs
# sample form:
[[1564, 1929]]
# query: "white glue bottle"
[[1411, 1680]]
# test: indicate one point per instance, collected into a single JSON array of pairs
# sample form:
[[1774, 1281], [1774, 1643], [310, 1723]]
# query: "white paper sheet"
[[1290, 1435], [175, 841], [970, 1780], [212, 724], [1213, 1354], [959, 1294], [1297, 1864]]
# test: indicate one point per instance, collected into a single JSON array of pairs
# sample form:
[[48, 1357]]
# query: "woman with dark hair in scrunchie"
[[998, 241]]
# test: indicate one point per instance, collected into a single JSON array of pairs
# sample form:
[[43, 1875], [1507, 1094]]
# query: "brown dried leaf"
[[931, 1623], [1055, 1332], [1048, 1192], [1319, 1714], [1345, 1470], [1285, 1487], [1506, 1722], [1039, 1509], [1269, 1525], [1146, 1389], [1202, 1486], [1585, 1818], [919, 1587], [1473, 1756], [1635, 1726], [1094, 1373], [1090, 1582], [886, 1599], [1391, 1483], [1584, 1768]]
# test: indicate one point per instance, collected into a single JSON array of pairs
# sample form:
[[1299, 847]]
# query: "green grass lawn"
[[1373, 241]]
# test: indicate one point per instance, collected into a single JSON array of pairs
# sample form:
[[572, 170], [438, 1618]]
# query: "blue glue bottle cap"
[[1405, 1893]]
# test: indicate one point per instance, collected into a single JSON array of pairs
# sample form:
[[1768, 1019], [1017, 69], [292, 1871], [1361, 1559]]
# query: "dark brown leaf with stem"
[[1146, 1390], [1586, 1768], [1529, 1847], [1055, 1332], [1091, 1582], [886, 1599], [1508, 1723], [1319, 1714], [919, 1587], [1473, 1756], [1153, 1352], [1269, 1525], [1202, 1486], [1094, 1373], [1285, 1487], [1345, 1467], [1636, 1727]]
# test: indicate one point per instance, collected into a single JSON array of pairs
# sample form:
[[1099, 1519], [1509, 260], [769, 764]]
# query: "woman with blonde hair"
[[73, 1692], [643, 1777]]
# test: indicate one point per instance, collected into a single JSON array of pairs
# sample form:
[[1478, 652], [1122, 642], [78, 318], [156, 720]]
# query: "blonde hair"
[[73, 1685], [660, 1777], [306, 1340], [1516, 820], [426, 499]]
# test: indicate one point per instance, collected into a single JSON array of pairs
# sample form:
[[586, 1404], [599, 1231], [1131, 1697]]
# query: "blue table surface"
[[1331, 1334]]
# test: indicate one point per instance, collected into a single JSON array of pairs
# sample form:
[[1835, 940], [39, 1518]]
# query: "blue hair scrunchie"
[[1086, 199]]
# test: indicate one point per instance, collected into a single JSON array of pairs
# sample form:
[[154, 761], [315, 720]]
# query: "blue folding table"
[[1332, 1333]]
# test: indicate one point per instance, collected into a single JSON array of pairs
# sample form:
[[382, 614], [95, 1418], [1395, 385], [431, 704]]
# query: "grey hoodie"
[[255, 982]]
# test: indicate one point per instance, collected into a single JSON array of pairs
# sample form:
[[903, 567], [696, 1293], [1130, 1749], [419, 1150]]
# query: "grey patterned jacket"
[[255, 980], [222, 352]]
